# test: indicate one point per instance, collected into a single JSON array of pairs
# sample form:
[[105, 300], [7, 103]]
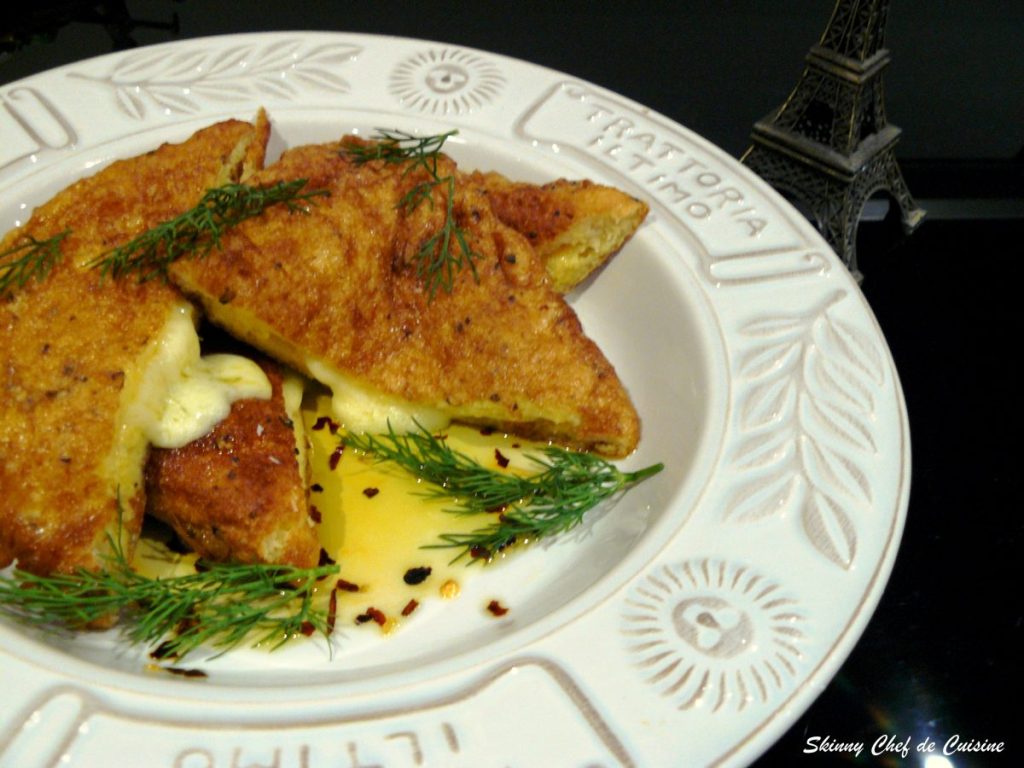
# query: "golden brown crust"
[[239, 493], [339, 285], [254, 149], [574, 226], [73, 349]]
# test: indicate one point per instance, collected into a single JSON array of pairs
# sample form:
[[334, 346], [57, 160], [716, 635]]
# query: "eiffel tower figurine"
[[829, 145]]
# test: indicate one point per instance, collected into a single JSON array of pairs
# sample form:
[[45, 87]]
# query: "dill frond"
[[550, 501], [196, 232], [442, 256], [221, 606], [31, 259]]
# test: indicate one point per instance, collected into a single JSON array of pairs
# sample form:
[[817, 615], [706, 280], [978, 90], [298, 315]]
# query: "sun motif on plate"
[[446, 81], [709, 634]]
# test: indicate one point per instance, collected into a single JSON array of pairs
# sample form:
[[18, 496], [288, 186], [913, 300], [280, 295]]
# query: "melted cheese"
[[202, 396], [293, 389], [375, 521], [183, 395], [360, 409]]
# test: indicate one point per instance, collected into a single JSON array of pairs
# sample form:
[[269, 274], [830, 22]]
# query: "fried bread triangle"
[[574, 226], [239, 493], [81, 357], [335, 293]]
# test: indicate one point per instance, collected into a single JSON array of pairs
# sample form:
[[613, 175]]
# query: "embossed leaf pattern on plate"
[[810, 383], [183, 81], [720, 648]]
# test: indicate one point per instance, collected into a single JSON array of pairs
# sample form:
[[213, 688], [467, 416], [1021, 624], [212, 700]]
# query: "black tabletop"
[[940, 657]]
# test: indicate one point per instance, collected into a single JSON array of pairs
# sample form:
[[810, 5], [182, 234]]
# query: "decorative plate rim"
[[839, 345]]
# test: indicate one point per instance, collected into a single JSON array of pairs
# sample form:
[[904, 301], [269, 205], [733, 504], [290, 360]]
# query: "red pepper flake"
[[496, 608], [325, 559], [183, 672], [372, 614], [501, 458], [417, 575], [336, 456], [370, 492], [307, 628], [163, 651], [346, 586], [316, 488], [411, 606], [480, 553], [315, 514], [326, 421]]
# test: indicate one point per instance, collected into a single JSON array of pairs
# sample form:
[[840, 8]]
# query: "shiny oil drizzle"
[[377, 525]]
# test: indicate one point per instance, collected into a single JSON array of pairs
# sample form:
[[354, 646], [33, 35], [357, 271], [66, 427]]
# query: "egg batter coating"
[[239, 493], [79, 356], [574, 226], [335, 293]]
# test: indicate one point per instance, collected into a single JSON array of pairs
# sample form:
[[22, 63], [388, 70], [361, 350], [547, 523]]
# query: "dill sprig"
[[395, 147], [196, 232], [31, 259], [220, 606], [446, 252], [548, 502]]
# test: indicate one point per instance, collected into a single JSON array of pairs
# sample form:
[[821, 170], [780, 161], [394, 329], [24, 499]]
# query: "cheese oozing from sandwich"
[[85, 369], [363, 409], [184, 394]]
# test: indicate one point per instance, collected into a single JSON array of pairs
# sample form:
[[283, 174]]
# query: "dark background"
[[942, 654], [956, 86]]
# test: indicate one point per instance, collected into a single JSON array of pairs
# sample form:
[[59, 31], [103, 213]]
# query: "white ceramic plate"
[[688, 624]]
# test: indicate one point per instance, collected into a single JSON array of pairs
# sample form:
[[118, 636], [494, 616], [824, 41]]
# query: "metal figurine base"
[[829, 146]]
